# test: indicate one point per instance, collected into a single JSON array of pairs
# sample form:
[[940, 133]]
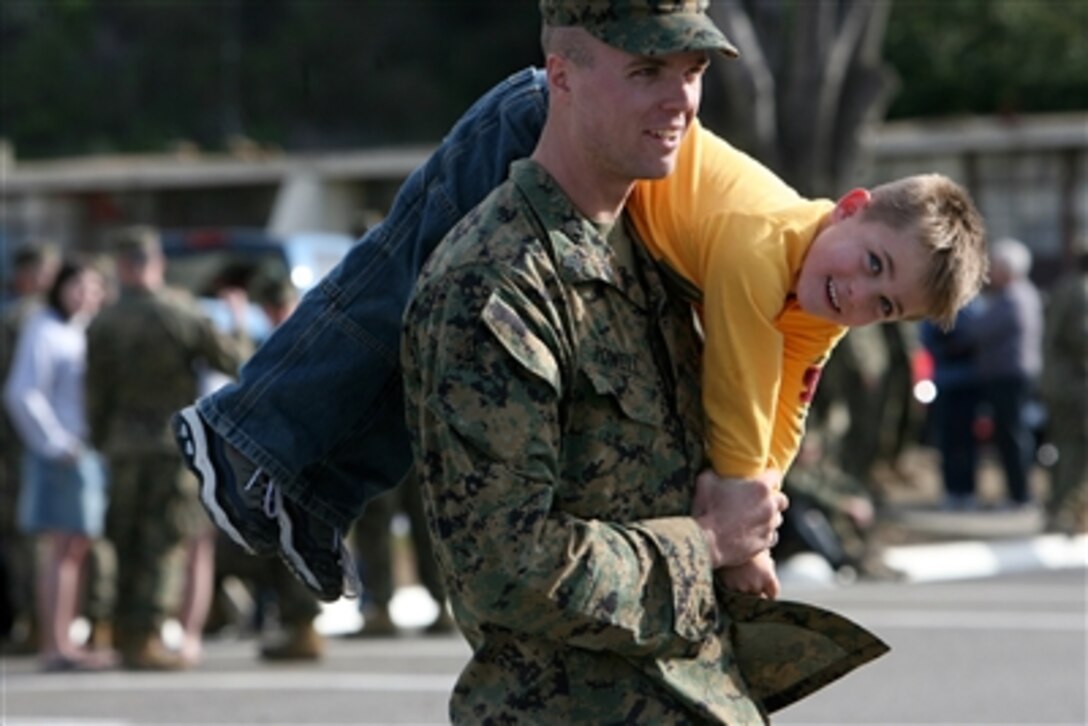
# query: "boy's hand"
[[754, 577]]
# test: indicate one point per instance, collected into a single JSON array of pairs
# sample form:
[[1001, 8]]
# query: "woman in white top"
[[62, 499]]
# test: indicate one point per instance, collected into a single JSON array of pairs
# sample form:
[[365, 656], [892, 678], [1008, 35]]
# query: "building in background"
[[1029, 176]]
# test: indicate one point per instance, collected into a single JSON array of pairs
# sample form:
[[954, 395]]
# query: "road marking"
[[957, 560], [1032, 620]]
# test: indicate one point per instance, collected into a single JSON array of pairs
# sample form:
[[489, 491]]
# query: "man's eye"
[[886, 307], [875, 265]]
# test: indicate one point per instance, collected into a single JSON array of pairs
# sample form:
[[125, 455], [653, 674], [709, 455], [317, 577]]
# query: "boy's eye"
[[875, 265]]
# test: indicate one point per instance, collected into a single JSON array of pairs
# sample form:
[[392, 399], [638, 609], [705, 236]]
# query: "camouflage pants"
[[154, 509], [1069, 481], [269, 581], [16, 548], [373, 542]]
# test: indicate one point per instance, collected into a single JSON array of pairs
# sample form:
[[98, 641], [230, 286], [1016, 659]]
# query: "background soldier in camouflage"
[[553, 399], [1065, 388], [143, 354]]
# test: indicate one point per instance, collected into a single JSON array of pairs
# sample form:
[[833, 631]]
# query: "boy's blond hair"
[[951, 230]]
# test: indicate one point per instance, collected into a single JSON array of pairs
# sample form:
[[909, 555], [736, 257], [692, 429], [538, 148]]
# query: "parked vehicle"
[[205, 260]]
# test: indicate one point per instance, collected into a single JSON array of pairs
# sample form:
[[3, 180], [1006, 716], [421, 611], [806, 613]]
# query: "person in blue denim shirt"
[[318, 410]]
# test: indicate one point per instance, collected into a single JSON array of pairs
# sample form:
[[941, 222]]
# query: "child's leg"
[[319, 405]]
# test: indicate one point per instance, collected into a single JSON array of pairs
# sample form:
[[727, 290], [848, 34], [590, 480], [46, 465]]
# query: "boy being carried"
[[776, 291]]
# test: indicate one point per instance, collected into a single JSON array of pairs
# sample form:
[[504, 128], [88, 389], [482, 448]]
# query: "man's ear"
[[851, 203], [556, 68]]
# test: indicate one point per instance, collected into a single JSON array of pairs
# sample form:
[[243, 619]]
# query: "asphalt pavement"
[[1005, 649], [988, 626]]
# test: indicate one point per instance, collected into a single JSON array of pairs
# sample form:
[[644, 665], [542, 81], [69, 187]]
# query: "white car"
[[204, 260]]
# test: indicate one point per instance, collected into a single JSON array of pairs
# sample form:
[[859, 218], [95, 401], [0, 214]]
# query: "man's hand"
[[740, 517], [754, 577]]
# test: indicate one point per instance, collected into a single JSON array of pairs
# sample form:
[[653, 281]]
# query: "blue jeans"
[[319, 406]]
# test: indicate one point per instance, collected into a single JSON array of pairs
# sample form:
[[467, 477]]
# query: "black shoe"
[[235, 492], [314, 552]]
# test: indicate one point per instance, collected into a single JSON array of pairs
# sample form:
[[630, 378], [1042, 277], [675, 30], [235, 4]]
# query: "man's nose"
[[683, 95]]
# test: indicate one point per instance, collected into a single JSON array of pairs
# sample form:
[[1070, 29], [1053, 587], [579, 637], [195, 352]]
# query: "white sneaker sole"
[[199, 459]]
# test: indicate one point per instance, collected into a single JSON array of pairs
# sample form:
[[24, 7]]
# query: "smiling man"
[[552, 388]]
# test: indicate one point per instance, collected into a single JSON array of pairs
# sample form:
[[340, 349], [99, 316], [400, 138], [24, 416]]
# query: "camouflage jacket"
[[143, 354], [1065, 351], [552, 393]]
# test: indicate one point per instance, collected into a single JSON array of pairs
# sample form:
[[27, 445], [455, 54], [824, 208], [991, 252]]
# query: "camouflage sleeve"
[[99, 385], [484, 380], [219, 351], [205, 343]]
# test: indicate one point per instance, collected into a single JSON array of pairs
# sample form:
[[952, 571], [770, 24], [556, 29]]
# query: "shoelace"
[[271, 502], [350, 583]]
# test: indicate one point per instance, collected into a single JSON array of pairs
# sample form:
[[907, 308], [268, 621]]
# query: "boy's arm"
[[711, 178], [742, 359], [807, 344]]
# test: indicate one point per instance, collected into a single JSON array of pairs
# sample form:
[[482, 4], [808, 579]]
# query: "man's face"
[[632, 111], [859, 271]]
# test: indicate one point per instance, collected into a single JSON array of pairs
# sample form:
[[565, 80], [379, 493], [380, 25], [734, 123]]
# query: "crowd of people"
[[1010, 379], [540, 401]]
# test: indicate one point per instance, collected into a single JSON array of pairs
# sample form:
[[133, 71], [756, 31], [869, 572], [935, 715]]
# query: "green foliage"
[[82, 76], [989, 56]]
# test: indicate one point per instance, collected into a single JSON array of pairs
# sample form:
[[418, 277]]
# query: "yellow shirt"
[[738, 234]]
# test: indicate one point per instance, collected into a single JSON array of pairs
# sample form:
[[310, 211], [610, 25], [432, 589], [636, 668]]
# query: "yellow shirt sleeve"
[[731, 227], [763, 353], [710, 177]]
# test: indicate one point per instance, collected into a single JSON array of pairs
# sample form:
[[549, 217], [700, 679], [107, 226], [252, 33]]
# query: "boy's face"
[[858, 272]]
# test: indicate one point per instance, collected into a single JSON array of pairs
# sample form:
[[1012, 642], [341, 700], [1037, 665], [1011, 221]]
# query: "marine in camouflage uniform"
[[142, 355], [553, 398], [1065, 389]]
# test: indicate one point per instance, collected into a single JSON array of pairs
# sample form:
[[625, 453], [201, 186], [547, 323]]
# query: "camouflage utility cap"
[[642, 27], [137, 243]]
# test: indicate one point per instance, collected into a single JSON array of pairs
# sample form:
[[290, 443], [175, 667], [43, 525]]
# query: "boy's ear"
[[851, 203]]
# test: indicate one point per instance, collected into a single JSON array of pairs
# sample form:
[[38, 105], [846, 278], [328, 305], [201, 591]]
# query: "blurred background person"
[[1007, 336], [296, 608], [33, 269], [1065, 391], [63, 497], [144, 352], [373, 540], [833, 514], [953, 413]]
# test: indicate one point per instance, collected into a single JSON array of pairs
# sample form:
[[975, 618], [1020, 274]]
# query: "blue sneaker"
[[314, 552], [236, 493], [244, 501]]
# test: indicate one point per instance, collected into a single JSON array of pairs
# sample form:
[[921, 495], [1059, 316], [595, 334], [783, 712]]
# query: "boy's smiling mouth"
[[833, 296]]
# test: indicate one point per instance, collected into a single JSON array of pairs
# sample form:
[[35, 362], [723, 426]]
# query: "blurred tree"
[[809, 76], [989, 56], [80, 76]]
